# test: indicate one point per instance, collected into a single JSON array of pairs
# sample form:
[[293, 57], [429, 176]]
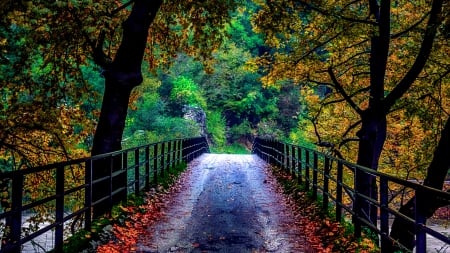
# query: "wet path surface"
[[225, 203]]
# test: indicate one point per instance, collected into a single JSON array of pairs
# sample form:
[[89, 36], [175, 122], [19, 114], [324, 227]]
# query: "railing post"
[[169, 152], [155, 163], [384, 215], [339, 191], [420, 220], [326, 177], [88, 194], [59, 217], [287, 158], [356, 206], [147, 168], [314, 184], [110, 181], [180, 151], [307, 166], [123, 196], [16, 207], [271, 152], [184, 146], [277, 153], [137, 177], [177, 152], [299, 165], [163, 158]]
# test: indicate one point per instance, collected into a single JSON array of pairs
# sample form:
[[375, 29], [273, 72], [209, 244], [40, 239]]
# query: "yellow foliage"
[[337, 35]]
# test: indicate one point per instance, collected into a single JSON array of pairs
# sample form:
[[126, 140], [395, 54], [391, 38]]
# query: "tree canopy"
[[367, 80], [379, 61]]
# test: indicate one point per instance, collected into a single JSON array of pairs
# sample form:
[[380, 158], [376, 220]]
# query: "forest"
[[366, 81]]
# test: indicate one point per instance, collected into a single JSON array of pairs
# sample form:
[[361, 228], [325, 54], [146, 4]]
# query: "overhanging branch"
[[421, 59], [394, 36], [344, 94], [330, 14]]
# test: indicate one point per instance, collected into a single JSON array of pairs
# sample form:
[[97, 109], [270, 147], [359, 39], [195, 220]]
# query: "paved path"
[[225, 203]]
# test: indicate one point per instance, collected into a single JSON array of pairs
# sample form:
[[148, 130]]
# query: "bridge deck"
[[226, 203]]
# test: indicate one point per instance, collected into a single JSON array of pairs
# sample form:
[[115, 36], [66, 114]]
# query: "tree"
[[189, 26], [437, 173], [370, 53], [71, 33], [124, 72]]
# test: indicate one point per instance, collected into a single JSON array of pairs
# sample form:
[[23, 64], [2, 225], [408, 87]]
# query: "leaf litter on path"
[[222, 203]]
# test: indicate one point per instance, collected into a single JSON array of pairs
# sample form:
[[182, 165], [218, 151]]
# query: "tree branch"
[[345, 141], [421, 59], [330, 14], [354, 125], [352, 57], [394, 36], [343, 99], [344, 94], [115, 11], [317, 47]]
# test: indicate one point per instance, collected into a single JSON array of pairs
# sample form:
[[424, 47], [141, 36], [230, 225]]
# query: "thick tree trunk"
[[403, 232], [121, 77], [372, 134], [371, 140]]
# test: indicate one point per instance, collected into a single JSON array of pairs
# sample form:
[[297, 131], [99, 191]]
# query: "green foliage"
[[186, 92], [269, 129], [240, 29], [239, 131], [162, 128], [216, 126], [234, 148]]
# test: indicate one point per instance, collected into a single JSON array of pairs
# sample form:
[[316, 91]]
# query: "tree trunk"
[[372, 136], [121, 76], [402, 231]]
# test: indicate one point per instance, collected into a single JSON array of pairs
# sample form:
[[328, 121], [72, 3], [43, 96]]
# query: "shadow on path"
[[225, 203]]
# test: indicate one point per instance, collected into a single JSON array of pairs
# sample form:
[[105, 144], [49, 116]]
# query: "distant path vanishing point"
[[225, 203]]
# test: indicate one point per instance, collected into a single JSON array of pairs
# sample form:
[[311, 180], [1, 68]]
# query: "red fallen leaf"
[[196, 245]]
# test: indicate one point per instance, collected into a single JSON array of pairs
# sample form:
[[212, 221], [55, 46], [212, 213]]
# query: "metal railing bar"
[[307, 164], [75, 189], [94, 203], [435, 234], [154, 162], [79, 212], [38, 202]]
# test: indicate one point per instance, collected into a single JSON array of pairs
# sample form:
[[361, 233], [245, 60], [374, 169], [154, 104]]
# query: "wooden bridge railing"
[[68, 201], [323, 175]]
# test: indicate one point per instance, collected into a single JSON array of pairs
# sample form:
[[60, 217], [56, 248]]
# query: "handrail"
[[142, 166], [323, 174]]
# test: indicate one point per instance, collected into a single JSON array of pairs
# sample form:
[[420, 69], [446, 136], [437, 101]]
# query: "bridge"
[[230, 206]]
